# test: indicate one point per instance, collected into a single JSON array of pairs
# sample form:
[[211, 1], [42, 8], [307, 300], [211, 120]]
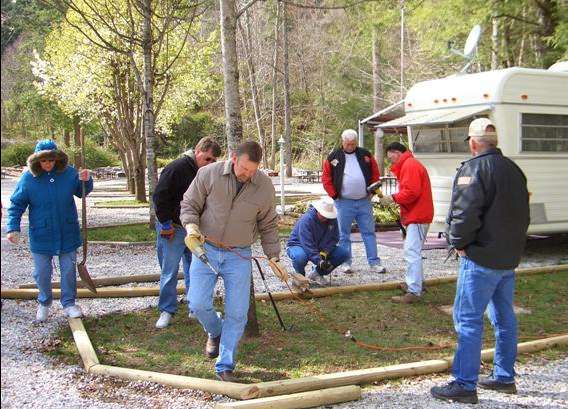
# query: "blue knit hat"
[[45, 145]]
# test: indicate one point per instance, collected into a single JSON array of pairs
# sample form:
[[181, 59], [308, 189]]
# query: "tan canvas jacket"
[[212, 203]]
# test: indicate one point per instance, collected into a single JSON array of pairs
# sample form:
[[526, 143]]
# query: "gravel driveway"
[[31, 380]]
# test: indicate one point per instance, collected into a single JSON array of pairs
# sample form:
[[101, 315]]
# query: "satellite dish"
[[471, 42]]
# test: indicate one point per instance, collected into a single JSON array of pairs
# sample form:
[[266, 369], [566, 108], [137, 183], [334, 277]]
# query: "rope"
[[321, 316]]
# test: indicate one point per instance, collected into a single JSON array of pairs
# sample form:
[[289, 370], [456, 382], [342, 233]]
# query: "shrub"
[[17, 154], [95, 156]]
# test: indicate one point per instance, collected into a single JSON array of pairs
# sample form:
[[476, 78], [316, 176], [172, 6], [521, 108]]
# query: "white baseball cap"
[[325, 207], [477, 128]]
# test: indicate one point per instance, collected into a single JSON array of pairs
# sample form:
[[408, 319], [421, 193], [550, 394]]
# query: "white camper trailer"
[[530, 110]]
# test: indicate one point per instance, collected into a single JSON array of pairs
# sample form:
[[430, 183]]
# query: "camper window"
[[440, 138], [544, 133]]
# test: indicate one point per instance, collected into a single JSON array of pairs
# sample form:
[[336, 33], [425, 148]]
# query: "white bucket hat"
[[477, 128], [325, 207]]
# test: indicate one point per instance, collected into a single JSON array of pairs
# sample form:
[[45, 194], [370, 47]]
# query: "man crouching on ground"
[[225, 206]]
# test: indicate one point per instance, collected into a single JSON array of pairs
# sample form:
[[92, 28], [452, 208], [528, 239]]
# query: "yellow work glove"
[[278, 269], [386, 200], [300, 283], [194, 239]]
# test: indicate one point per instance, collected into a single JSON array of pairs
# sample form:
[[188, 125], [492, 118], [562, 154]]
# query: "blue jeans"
[[479, 288], [236, 274], [299, 258], [170, 252], [361, 211], [415, 237], [43, 270]]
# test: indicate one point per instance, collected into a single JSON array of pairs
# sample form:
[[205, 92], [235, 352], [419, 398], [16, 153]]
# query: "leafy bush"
[[98, 157], [190, 130], [95, 156], [382, 215], [17, 154], [162, 162]]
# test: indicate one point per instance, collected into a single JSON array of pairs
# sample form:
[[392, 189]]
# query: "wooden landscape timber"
[[108, 281], [366, 376], [230, 389], [287, 386], [310, 399], [115, 292], [83, 343]]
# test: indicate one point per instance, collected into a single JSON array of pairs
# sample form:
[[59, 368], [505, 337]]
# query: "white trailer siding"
[[506, 95]]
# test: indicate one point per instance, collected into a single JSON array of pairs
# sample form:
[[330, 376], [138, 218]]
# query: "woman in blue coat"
[[47, 189]]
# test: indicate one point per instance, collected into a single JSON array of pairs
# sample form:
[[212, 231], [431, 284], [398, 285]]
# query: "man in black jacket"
[[174, 181], [487, 225]]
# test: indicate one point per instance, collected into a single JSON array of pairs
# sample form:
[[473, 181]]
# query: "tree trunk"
[[274, 87], [234, 124], [252, 329], [148, 115], [67, 138], [287, 114], [494, 36], [545, 10], [253, 88], [76, 143], [377, 98]]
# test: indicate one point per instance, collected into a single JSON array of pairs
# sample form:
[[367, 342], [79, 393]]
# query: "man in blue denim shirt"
[[487, 225], [174, 181], [314, 238]]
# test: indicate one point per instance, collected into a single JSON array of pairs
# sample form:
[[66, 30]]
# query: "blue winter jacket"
[[314, 236], [53, 222]]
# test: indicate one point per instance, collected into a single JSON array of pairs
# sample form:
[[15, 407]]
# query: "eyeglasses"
[[46, 160], [467, 139]]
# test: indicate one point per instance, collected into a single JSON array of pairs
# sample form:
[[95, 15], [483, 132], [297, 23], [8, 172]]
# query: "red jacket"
[[415, 192]]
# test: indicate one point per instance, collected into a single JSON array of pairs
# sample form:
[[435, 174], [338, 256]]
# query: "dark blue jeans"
[[299, 258], [170, 253], [480, 288]]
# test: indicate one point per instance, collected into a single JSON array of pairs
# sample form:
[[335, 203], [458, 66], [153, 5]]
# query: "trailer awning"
[[436, 117]]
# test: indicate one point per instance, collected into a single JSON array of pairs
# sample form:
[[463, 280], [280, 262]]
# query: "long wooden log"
[[108, 281], [230, 389], [310, 399], [365, 376], [29, 294], [83, 343], [391, 285]]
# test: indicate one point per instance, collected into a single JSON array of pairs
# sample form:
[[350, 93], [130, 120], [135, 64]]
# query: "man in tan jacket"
[[228, 204]]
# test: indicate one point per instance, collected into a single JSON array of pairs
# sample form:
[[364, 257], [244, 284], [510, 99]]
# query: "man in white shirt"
[[347, 172]]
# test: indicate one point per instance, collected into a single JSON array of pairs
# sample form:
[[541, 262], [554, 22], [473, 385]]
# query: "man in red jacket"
[[416, 212]]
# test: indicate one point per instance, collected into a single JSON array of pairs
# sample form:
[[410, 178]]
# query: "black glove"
[[325, 266]]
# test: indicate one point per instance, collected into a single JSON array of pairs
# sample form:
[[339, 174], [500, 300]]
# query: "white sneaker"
[[346, 269], [314, 276], [164, 320], [73, 311], [192, 316], [42, 313], [378, 269]]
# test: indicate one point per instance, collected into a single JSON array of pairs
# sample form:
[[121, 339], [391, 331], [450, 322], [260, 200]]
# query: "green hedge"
[[95, 156], [17, 154]]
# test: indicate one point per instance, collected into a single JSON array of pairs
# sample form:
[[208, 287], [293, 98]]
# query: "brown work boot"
[[407, 298], [404, 287], [226, 376], [212, 347]]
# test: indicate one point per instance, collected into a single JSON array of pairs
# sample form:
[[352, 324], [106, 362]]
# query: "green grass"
[[312, 347], [135, 232], [141, 232], [121, 203]]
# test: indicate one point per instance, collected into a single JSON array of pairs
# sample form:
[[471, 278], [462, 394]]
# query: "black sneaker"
[[454, 392], [489, 382]]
